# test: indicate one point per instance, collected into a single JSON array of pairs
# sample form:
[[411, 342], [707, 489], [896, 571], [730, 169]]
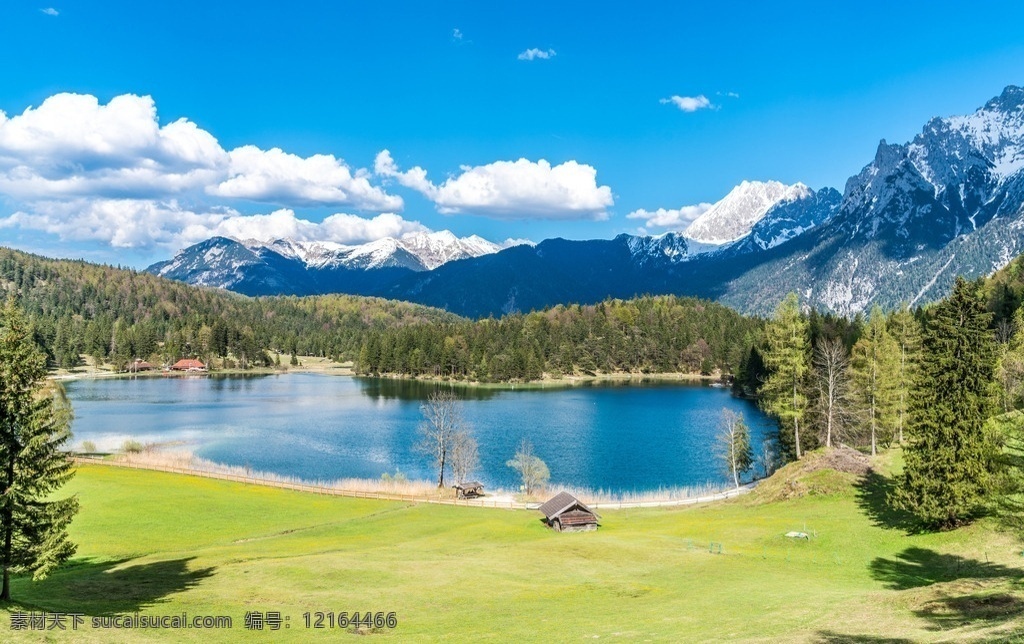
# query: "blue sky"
[[796, 92]]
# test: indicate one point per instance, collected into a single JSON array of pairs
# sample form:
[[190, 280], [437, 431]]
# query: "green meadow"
[[165, 544]]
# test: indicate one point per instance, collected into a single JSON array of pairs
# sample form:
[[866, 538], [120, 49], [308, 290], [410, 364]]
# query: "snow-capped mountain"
[[286, 266], [735, 215], [790, 218], [950, 202], [415, 251], [947, 203], [666, 247]]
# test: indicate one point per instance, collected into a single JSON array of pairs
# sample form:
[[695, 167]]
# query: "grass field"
[[161, 543]]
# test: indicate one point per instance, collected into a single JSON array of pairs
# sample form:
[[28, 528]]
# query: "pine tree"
[[950, 458], [874, 369], [787, 356], [906, 331], [1010, 367], [34, 426]]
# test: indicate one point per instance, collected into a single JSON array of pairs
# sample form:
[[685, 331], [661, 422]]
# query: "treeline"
[[642, 335], [117, 315], [945, 381]]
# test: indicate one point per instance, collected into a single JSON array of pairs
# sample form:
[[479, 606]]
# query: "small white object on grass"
[[793, 534]]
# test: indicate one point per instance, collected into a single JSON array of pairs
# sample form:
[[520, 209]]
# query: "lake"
[[621, 437]]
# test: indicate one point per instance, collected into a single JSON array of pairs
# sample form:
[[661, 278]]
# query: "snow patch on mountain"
[[736, 214]]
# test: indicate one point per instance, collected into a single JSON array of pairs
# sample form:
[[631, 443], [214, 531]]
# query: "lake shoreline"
[[323, 367], [548, 382], [330, 368], [418, 491]]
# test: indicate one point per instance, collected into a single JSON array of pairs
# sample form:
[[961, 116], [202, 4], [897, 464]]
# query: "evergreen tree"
[[34, 426], [787, 356], [1008, 430], [950, 458], [874, 369], [906, 331], [1010, 367]]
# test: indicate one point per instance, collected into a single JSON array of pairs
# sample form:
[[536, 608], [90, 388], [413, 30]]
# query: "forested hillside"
[[117, 315], [644, 335]]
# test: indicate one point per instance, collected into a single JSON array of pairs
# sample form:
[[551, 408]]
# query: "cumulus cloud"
[[278, 177], [50, 11], [520, 189], [677, 219], [537, 54], [147, 224], [72, 146], [688, 103], [456, 34]]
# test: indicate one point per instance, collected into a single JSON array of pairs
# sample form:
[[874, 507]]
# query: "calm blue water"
[[621, 438]]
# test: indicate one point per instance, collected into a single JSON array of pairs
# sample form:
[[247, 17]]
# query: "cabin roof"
[[562, 503], [469, 485], [188, 363]]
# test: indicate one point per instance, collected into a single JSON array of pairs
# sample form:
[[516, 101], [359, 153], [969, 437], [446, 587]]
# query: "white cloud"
[[688, 103], [537, 54], [275, 176], [456, 34], [520, 189], [50, 11], [350, 229], [677, 219], [147, 224], [517, 241], [71, 146]]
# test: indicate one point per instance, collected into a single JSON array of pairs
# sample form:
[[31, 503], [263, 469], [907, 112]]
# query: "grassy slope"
[[164, 544]]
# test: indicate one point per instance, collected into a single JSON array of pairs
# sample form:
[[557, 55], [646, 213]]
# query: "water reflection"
[[611, 435], [419, 390]]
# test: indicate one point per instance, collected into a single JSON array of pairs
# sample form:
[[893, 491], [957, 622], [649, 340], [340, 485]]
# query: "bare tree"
[[533, 471], [831, 377], [463, 456], [733, 446], [442, 421]]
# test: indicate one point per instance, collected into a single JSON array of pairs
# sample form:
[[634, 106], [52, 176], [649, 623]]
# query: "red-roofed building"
[[188, 365], [140, 365]]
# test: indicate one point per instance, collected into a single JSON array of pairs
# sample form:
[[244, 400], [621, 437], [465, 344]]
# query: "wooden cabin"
[[566, 513], [188, 365], [139, 365], [469, 490]]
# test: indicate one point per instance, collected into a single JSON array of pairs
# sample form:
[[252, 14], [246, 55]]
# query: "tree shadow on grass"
[[949, 609], [831, 637], [108, 587], [873, 491], [916, 567], [976, 611], [952, 608]]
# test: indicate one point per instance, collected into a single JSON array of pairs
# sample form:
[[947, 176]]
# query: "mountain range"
[[947, 203]]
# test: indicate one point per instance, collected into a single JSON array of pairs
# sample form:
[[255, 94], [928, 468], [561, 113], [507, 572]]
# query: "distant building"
[[139, 365], [469, 490], [188, 364], [566, 513]]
